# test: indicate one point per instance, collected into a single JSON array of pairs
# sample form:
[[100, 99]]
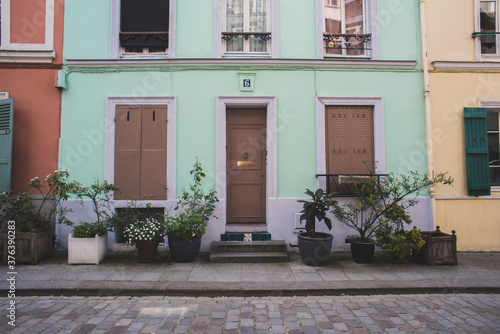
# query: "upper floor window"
[[144, 27], [493, 121], [246, 28], [345, 28]]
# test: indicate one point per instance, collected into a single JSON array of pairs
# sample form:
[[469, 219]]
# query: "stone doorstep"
[[247, 247], [251, 257]]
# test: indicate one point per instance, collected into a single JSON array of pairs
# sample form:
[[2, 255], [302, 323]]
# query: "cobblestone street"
[[452, 313]]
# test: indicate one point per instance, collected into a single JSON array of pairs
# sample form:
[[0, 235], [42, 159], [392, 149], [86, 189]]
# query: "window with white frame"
[[345, 28], [246, 27], [493, 125], [487, 30], [144, 27]]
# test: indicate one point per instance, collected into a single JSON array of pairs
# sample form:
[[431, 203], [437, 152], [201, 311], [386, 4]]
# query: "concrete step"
[[248, 247], [249, 257]]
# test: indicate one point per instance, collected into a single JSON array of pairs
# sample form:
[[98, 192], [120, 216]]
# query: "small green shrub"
[[88, 230]]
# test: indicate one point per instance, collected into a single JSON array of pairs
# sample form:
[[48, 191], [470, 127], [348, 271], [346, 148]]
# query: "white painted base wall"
[[282, 222], [87, 250]]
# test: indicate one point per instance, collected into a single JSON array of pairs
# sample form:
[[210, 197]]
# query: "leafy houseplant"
[[186, 229], [89, 242], [34, 223], [397, 243], [380, 199], [145, 235], [315, 247]]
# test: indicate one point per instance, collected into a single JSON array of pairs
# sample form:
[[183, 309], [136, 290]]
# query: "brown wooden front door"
[[246, 165]]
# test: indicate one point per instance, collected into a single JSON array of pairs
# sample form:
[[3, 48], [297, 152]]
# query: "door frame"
[[268, 102]]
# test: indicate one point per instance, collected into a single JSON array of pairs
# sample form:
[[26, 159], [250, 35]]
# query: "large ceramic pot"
[[315, 251], [362, 252], [183, 250], [146, 250]]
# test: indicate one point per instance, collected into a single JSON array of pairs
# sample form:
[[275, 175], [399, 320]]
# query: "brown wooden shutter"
[[154, 153], [128, 151], [349, 139]]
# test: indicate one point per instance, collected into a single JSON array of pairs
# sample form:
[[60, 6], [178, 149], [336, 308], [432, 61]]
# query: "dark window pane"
[[495, 176], [488, 23]]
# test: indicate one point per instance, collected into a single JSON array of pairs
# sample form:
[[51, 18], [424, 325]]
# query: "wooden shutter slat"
[[128, 151], [476, 149], [154, 153], [6, 139], [349, 139]]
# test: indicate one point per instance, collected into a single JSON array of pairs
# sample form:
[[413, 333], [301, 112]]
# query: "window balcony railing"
[[484, 34], [345, 184], [265, 36], [346, 44]]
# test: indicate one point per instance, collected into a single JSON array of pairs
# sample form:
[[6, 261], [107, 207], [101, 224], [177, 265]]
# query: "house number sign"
[[247, 82]]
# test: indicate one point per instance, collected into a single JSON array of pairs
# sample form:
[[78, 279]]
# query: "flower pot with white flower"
[[146, 235]]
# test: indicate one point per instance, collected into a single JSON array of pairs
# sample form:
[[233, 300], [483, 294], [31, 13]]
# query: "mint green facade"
[[395, 76]]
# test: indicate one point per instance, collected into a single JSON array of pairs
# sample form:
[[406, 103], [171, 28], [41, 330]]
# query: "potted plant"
[[34, 222], [396, 242], [186, 229], [379, 199], [146, 235], [89, 242], [121, 219], [315, 247]]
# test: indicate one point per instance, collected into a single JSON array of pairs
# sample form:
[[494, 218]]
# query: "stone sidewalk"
[[120, 275]]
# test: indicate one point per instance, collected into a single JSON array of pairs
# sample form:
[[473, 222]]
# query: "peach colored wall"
[[27, 21], [37, 105]]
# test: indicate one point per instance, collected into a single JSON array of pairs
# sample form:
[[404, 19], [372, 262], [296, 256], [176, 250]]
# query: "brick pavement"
[[452, 313]]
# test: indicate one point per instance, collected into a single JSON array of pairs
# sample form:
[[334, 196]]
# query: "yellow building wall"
[[476, 220]]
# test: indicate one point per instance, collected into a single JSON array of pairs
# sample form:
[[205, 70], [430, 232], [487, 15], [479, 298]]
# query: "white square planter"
[[87, 250]]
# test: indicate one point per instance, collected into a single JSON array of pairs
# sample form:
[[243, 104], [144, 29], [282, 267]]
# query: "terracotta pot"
[[146, 250]]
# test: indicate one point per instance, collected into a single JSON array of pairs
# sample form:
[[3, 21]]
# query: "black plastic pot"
[[362, 252], [183, 250], [315, 251]]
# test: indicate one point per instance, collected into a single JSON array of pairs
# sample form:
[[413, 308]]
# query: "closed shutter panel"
[[144, 23], [476, 149], [154, 153], [6, 133], [349, 139], [128, 151]]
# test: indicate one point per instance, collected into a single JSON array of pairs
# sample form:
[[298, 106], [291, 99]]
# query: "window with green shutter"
[[6, 127], [476, 149]]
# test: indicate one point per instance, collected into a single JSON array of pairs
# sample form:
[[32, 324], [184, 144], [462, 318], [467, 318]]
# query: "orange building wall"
[[37, 105], [27, 21]]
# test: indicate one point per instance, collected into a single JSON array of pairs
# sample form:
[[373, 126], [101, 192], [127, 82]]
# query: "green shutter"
[[476, 149], [6, 127]]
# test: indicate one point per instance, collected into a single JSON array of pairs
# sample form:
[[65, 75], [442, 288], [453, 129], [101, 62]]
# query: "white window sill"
[[14, 56]]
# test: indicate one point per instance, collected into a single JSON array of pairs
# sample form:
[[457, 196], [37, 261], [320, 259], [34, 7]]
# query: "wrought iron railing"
[[484, 34], [345, 184], [353, 43], [265, 36]]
